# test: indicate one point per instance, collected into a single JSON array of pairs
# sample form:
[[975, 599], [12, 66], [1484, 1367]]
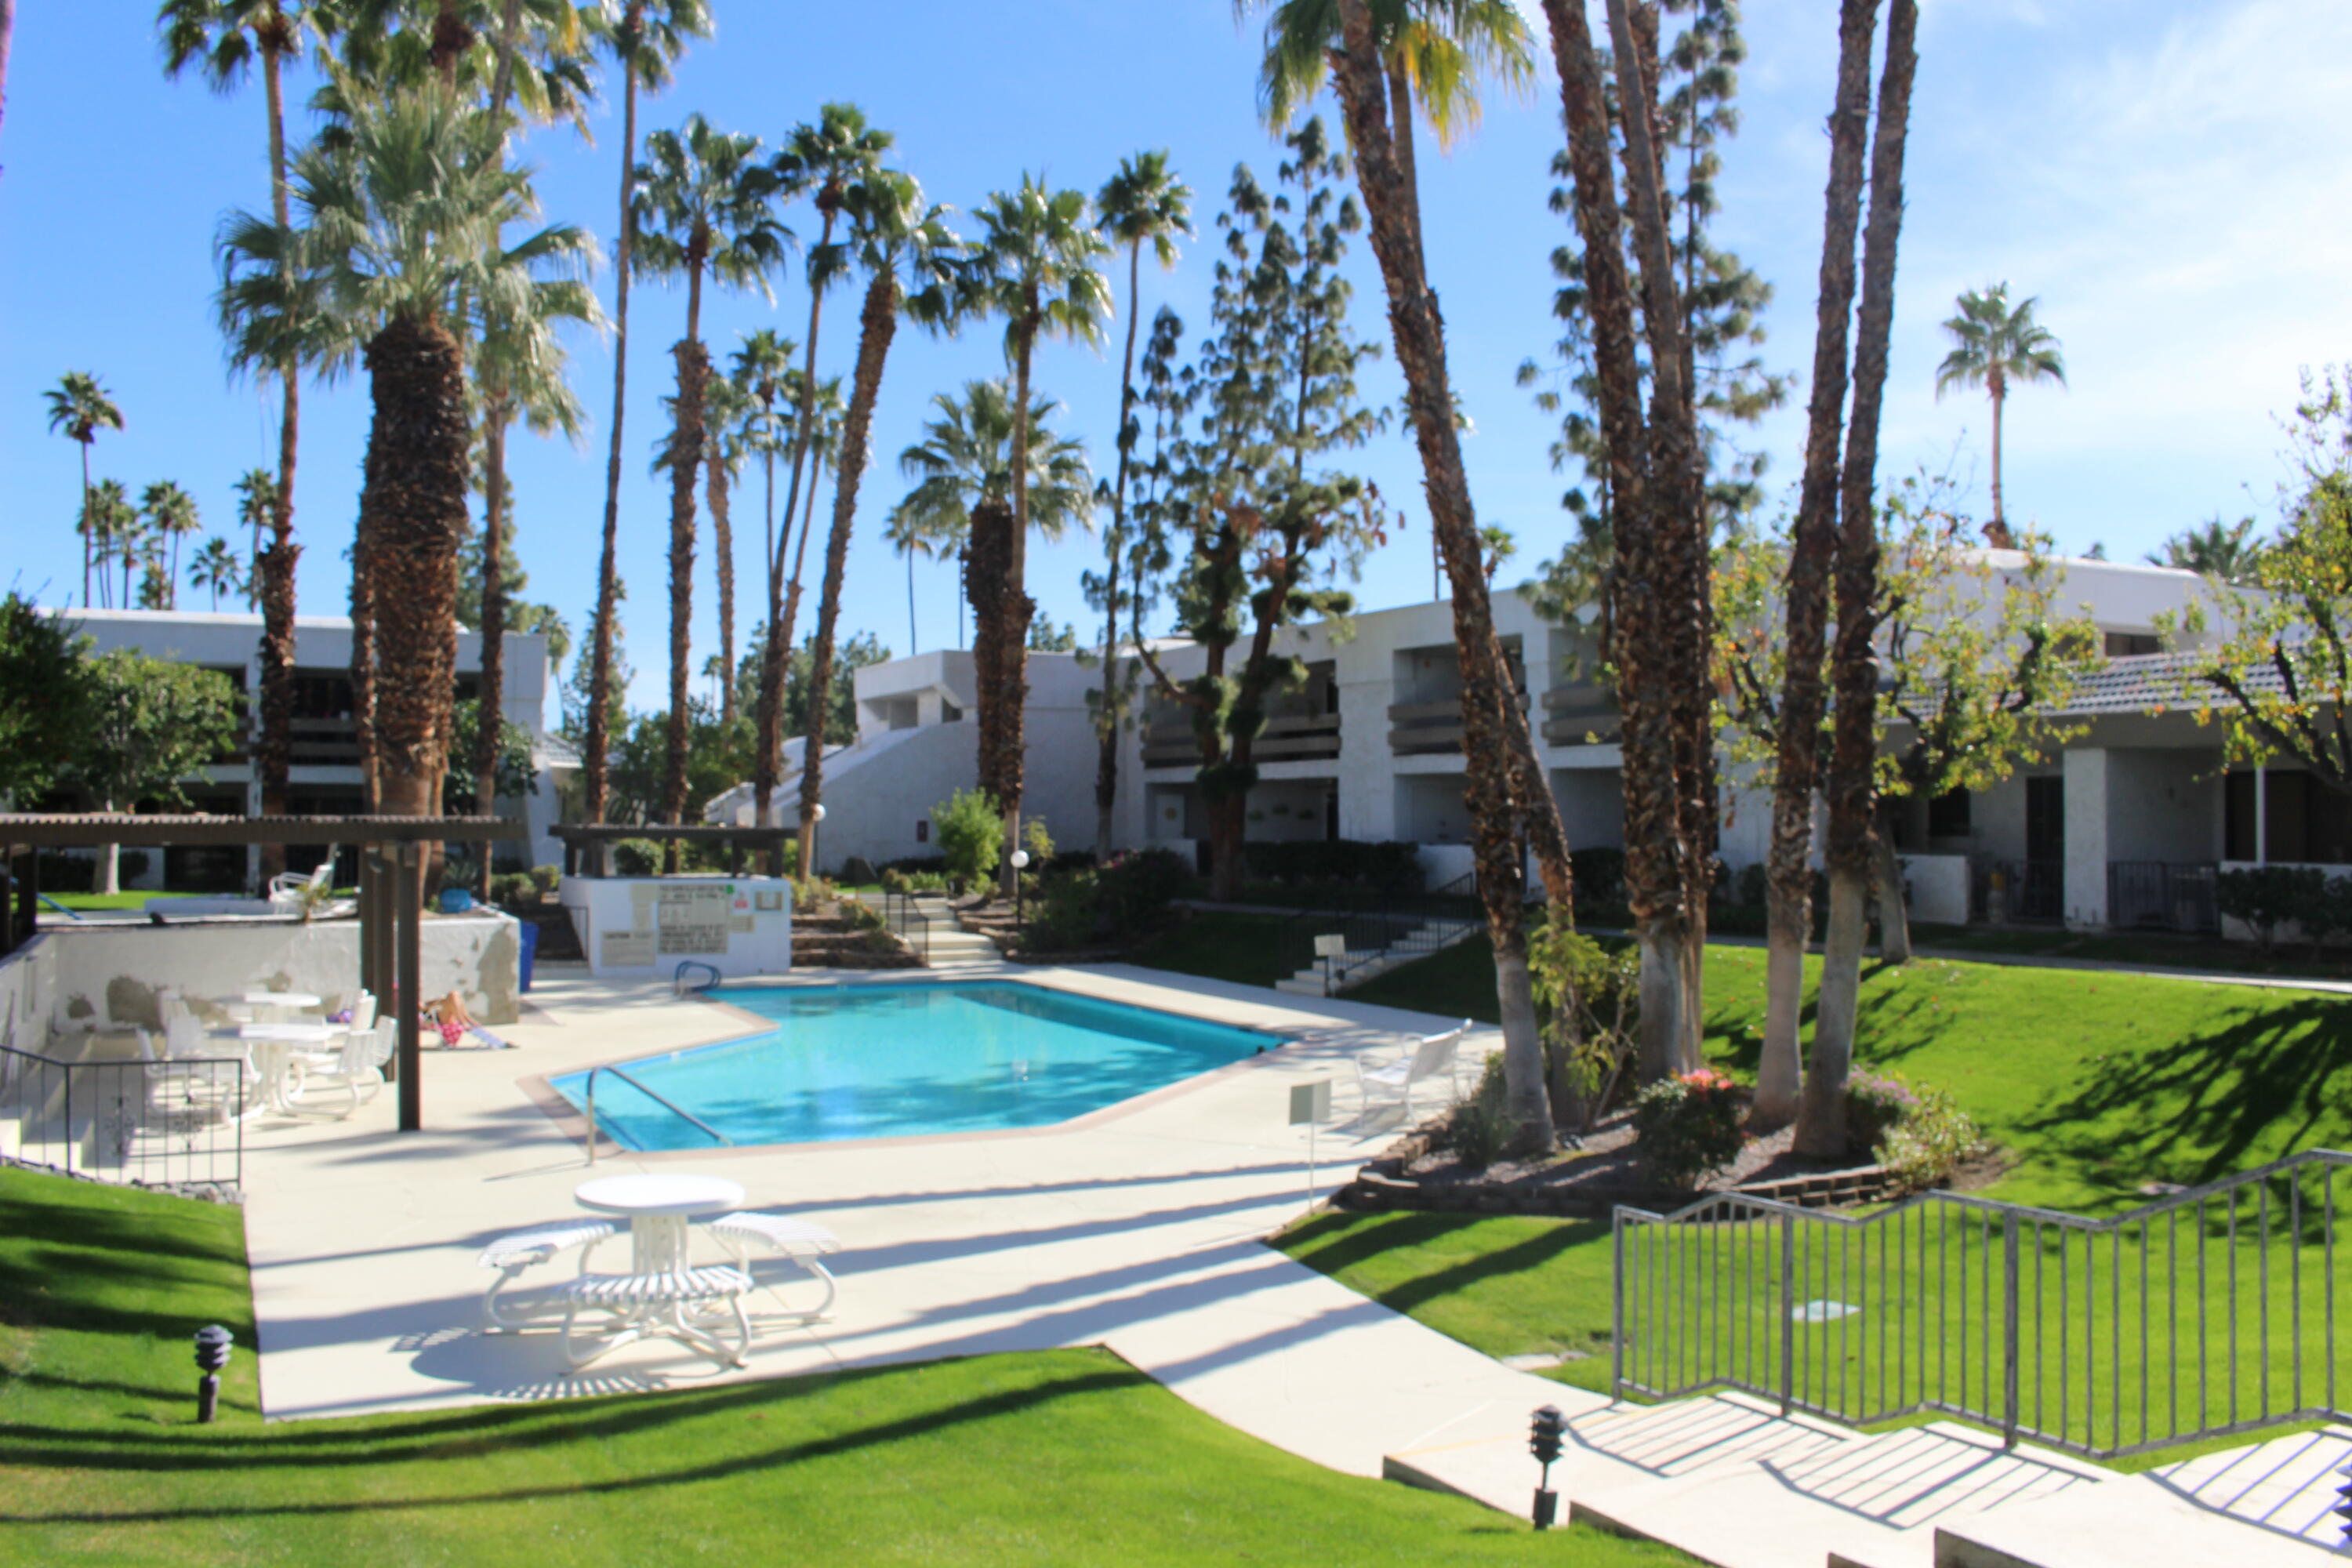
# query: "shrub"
[[1477, 1128], [2267, 896], [1067, 915], [1138, 886], [546, 878], [912, 865], [637, 858], [1926, 1147], [1875, 1104], [1037, 841], [970, 831], [1686, 1126], [1588, 1006], [513, 887], [1390, 866], [817, 890]]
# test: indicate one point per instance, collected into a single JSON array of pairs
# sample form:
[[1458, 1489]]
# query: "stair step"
[[2137, 1522]]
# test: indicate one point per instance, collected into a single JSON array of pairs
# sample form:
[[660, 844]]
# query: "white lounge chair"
[[510, 1254], [1394, 1077], [296, 892], [780, 1236]]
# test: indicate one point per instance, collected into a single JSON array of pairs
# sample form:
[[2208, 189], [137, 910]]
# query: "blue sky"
[[2166, 178]]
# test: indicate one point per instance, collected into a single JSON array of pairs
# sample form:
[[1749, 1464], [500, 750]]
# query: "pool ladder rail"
[[721, 1138]]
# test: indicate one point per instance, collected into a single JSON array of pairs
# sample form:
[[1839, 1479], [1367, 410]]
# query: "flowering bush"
[[1875, 1104], [1924, 1149], [1686, 1126]]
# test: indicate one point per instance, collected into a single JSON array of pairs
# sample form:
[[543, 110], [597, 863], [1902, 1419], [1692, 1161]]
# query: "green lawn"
[[1236, 947], [1067, 1456], [2092, 1083], [136, 898]]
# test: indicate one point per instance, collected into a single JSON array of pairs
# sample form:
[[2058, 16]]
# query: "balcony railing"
[[1581, 715], [1428, 728], [2156, 895], [1287, 738]]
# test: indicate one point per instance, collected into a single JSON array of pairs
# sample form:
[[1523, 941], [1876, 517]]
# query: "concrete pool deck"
[[1141, 1229]]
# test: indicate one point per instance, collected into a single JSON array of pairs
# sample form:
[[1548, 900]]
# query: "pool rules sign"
[[1311, 1103]]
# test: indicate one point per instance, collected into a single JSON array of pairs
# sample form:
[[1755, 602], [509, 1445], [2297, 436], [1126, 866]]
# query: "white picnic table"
[[663, 1291], [660, 1209]]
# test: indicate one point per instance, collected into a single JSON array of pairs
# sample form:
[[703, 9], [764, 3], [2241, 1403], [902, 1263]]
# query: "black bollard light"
[[1544, 1443], [213, 1345]]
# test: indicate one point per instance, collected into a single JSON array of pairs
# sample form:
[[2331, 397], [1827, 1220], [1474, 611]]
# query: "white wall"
[[2163, 805]]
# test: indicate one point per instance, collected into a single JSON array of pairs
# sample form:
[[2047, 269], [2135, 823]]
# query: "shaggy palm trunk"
[[878, 324], [686, 466], [1894, 913], [722, 545], [595, 787], [1107, 719], [490, 705], [1789, 914], [1997, 532], [413, 516], [1489, 706], [1009, 691], [773, 658], [362, 667], [273, 754], [1821, 1117], [997, 671]]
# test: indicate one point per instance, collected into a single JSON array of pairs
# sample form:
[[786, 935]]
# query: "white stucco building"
[[324, 778], [2125, 825]]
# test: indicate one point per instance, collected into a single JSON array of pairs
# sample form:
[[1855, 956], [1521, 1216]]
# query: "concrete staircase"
[[1413, 943], [941, 937], [1731, 1481]]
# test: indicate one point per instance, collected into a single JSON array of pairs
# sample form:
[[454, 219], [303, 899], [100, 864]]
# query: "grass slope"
[[1067, 1456], [1237, 947]]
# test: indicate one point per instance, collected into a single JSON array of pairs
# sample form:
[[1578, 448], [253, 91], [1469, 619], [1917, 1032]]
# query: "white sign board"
[[647, 926], [1330, 947], [1310, 1102]]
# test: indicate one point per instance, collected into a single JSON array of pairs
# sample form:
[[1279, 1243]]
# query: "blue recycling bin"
[[530, 929]]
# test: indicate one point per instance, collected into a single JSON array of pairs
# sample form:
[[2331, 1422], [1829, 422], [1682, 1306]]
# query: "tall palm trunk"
[[1997, 532], [489, 704], [766, 765], [686, 466], [412, 516], [1106, 721], [1490, 710], [878, 324], [1009, 693], [996, 670], [722, 546], [1820, 1116], [596, 785], [274, 749], [1790, 875], [89, 524]]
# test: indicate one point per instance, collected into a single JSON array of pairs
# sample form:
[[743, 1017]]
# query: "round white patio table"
[[273, 1055], [659, 1210], [269, 1007]]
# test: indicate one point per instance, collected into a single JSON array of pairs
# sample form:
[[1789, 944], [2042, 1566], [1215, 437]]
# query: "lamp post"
[[816, 814], [1020, 864], [1544, 1441], [213, 1345]]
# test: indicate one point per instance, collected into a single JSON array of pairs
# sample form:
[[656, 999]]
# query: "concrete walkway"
[[1141, 1229]]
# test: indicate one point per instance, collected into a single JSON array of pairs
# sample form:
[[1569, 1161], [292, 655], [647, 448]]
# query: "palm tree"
[[1506, 788], [79, 407], [730, 416], [908, 256], [403, 212], [647, 39], [222, 39], [822, 415], [109, 524], [1995, 344], [256, 505], [827, 158], [1034, 266], [521, 369], [705, 206], [2228, 551], [216, 568], [1143, 203], [761, 363], [906, 539], [963, 465], [171, 514], [133, 542]]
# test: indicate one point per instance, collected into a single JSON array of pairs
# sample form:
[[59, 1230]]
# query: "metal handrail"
[[1973, 1308], [1377, 929], [900, 913], [724, 1141], [677, 981], [204, 1143]]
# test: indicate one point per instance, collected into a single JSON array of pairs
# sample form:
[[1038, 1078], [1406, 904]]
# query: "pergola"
[[392, 885], [580, 838]]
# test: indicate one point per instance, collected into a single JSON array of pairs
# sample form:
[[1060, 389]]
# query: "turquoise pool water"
[[886, 1061]]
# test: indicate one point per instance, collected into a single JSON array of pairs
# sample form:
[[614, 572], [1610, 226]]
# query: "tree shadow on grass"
[[2264, 1086], [1332, 1243]]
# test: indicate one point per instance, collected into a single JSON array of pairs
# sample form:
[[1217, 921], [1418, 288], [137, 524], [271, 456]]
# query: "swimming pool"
[[898, 1060]]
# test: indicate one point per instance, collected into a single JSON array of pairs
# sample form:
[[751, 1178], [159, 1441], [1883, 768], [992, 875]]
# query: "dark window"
[[2305, 821], [949, 712], [1948, 816], [2238, 818], [922, 830], [2130, 645]]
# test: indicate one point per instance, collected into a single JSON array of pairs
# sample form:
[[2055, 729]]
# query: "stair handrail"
[[902, 914], [1693, 1286], [662, 1100]]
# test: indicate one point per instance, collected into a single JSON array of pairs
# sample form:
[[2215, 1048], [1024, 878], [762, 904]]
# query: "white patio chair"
[[510, 1254], [797, 1241], [356, 1067], [329, 1056], [1396, 1076], [290, 891]]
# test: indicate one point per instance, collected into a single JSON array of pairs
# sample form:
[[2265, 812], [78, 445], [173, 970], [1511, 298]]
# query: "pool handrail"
[[724, 1141]]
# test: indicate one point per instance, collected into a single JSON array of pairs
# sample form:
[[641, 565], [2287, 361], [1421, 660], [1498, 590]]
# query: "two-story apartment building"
[[325, 775]]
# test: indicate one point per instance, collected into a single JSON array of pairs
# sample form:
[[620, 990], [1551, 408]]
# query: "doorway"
[[2042, 890]]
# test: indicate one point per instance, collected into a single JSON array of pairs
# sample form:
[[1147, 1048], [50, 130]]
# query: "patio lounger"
[[781, 1235], [1430, 1057], [510, 1254], [673, 1293]]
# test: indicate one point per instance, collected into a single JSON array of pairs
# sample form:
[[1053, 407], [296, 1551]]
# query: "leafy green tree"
[[1045, 637], [970, 829], [909, 257], [79, 407], [217, 569], [718, 756], [149, 725], [44, 693], [1034, 265], [1996, 345], [513, 774], [2230, 551], [855, 654], [826, 158], [1143, 203], [705, 206], [580, 688], [645, 38], [1263, 540], [171, 514]]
